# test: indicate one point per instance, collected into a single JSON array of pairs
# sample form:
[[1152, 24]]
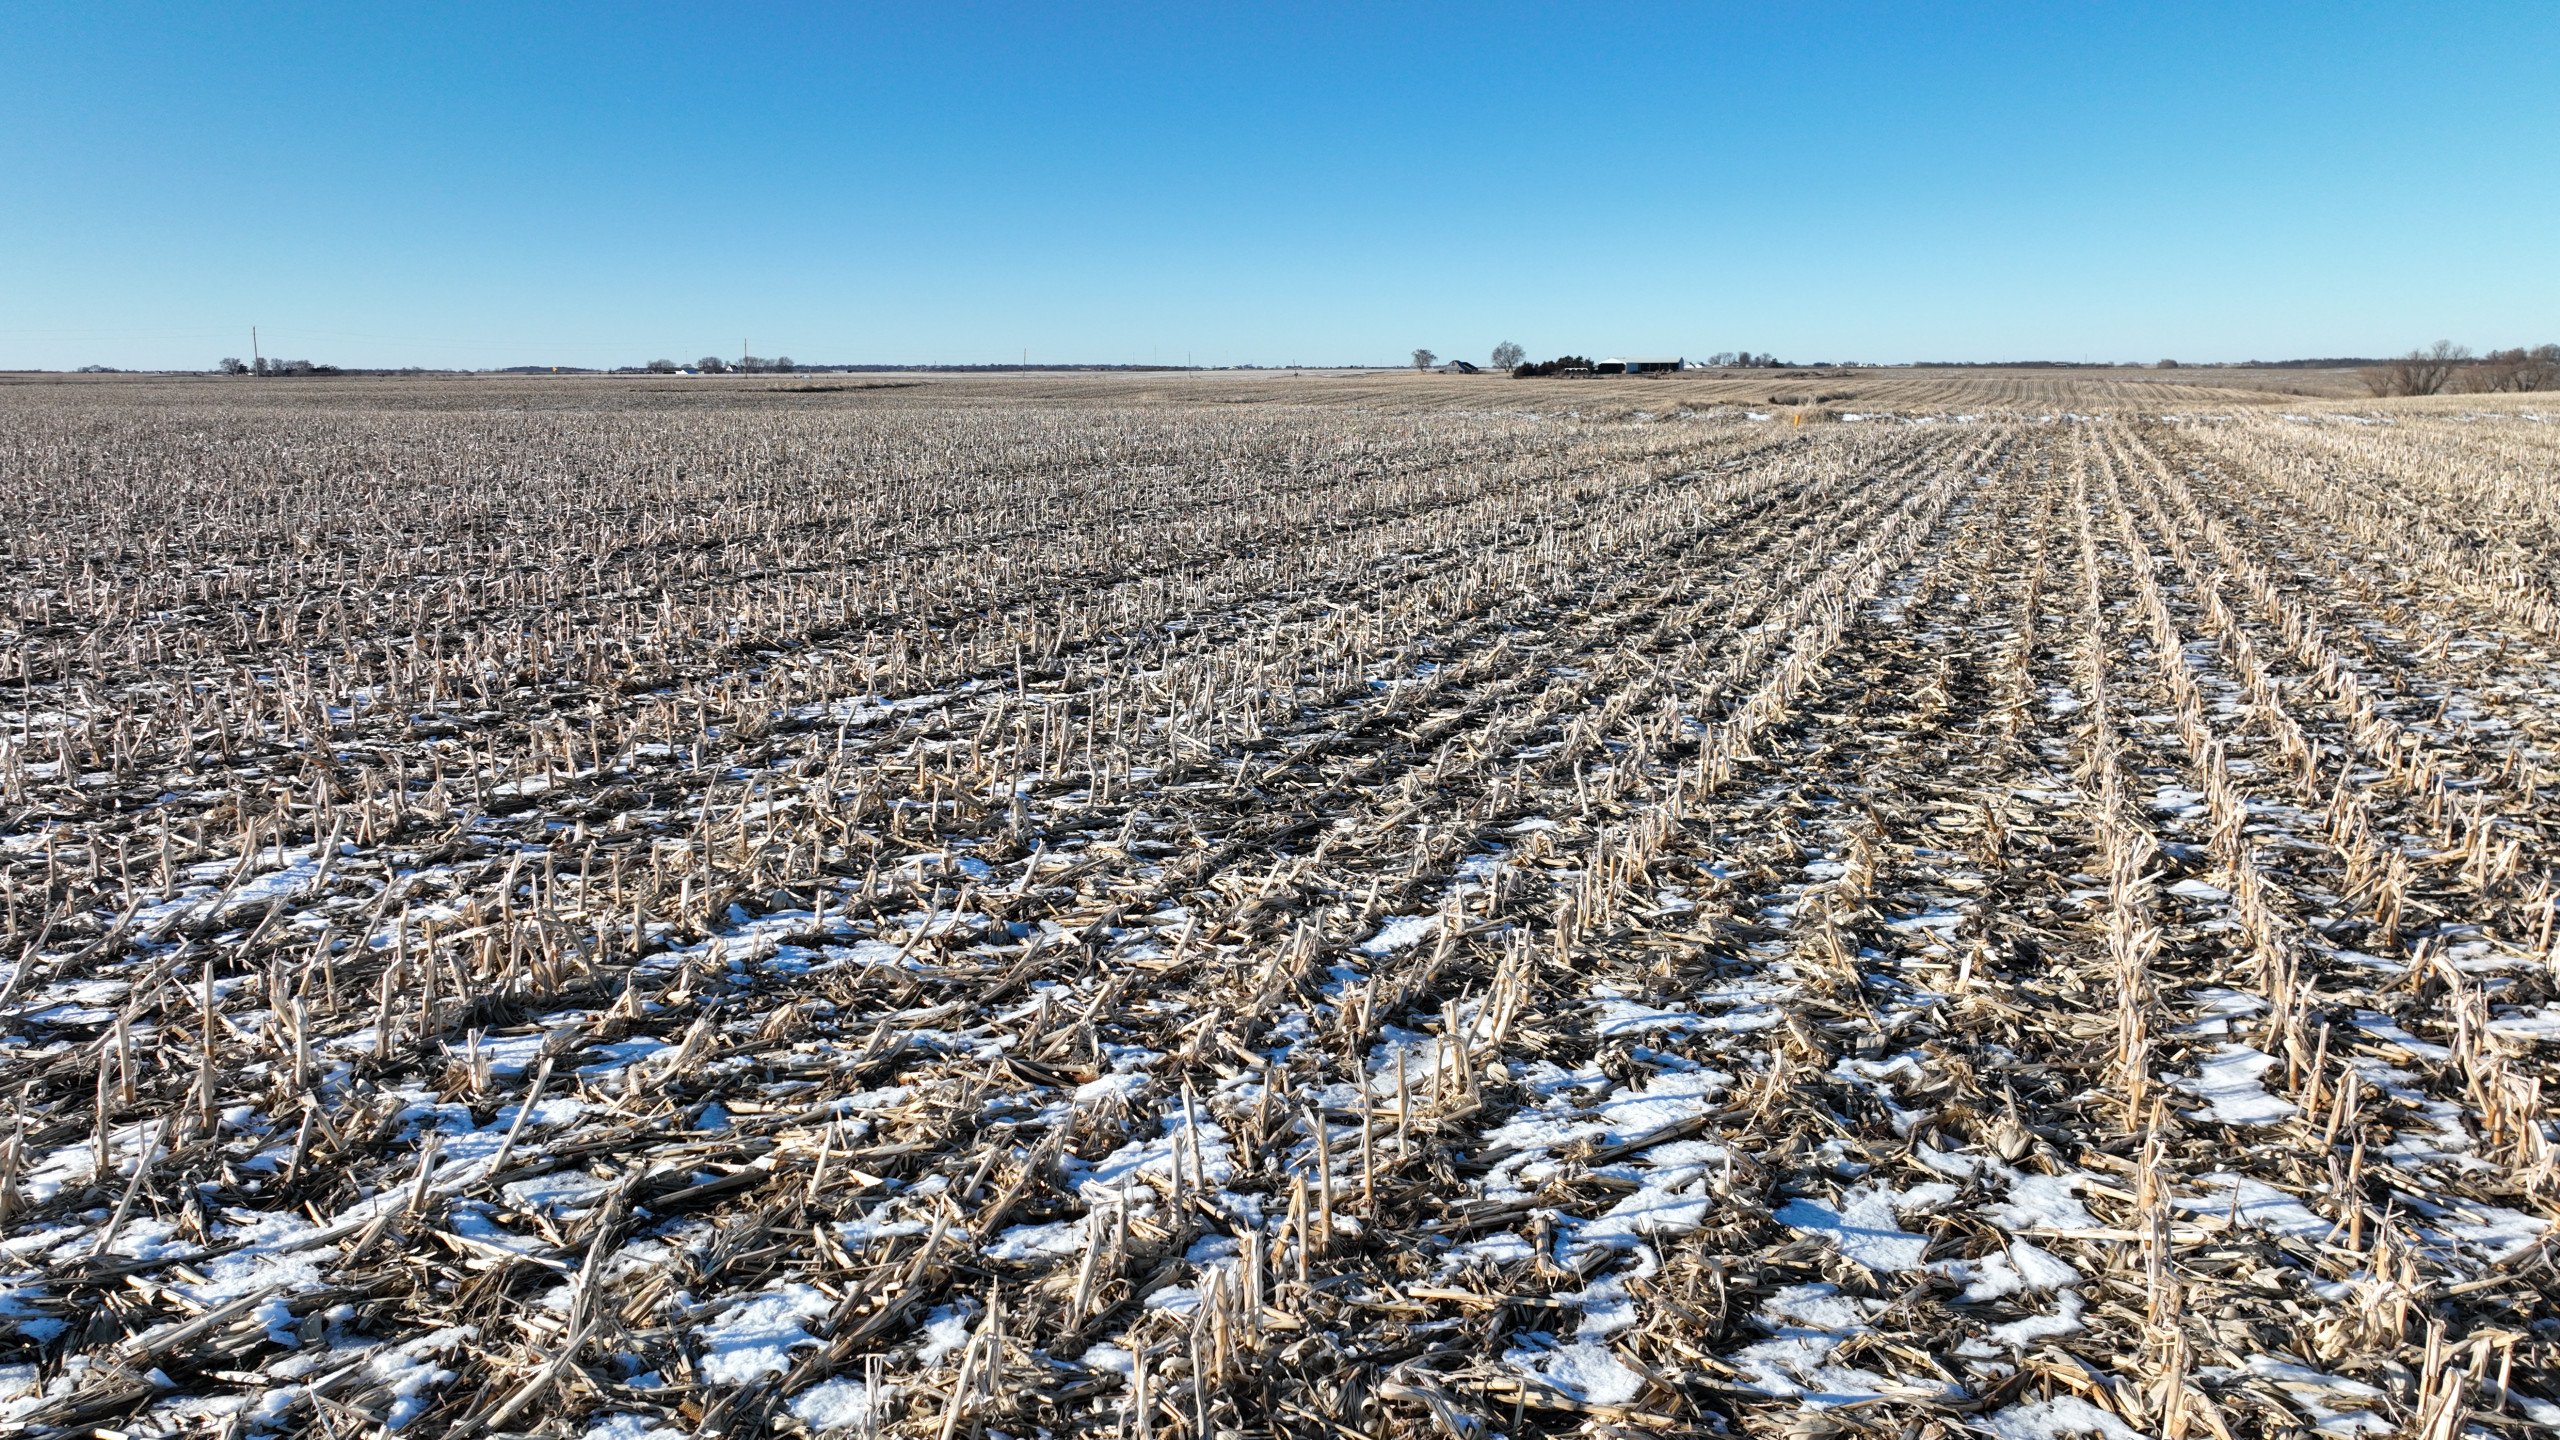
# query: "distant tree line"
[[1508, 356], [232, 365], [1561, 365], [714, 365], [2446, 367]]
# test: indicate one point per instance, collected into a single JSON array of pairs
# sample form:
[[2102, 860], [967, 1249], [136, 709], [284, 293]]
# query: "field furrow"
[[928, 918]]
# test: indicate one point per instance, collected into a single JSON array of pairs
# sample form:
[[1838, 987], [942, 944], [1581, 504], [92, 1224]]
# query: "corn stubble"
[[1098, 913]]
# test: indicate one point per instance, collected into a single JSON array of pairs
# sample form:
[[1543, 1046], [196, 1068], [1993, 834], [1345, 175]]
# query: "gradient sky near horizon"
[[473, 185]]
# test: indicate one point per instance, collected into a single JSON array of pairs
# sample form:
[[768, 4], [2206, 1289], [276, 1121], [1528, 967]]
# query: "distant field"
[[1885, 389], [1912, 902]]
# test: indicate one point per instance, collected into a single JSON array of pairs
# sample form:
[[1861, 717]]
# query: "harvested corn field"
[[1282, 909]]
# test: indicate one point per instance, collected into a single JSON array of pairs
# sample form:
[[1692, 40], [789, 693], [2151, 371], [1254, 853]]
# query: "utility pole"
[[254, 356]]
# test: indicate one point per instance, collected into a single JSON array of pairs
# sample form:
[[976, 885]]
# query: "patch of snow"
[[945, 1331], [756, 1337], [2059, 1418], [1808, 1323], [633, 1427], [1110, 1359], [2022, 1266], [2042, 1202], [2329, 1400], [1505, 1248], [1037, 1242], [1151, 1162], [2258, 1205], [2496, 1233], [2383, 1027], [1618, 1018], [2519, 1024], [1861, 1225], [2019, 1334], [2227, 1081], [1585, 1371], [842, 1403], [1653, 1210], [1402, 932]]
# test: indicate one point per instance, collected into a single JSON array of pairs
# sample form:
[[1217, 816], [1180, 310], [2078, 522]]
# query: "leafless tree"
[[2436, 365], [1424, 359], [2514, 369], [2420, 372], [1507, 356]]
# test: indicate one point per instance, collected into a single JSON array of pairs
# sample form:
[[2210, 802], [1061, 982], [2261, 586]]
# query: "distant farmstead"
[[1624, 366]]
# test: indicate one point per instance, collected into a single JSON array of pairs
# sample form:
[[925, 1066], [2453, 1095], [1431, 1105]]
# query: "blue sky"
[[483, 185]]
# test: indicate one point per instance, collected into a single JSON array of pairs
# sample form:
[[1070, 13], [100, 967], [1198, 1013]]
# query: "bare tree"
[[2514, 369], [233, 365], [1424, 359], [711, 365], [2420, 372], [2492, 372], [2436, 364], [662, 367], [1507, 356]]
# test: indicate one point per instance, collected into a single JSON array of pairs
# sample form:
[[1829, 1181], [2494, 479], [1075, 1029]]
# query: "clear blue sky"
[[485, 184]]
